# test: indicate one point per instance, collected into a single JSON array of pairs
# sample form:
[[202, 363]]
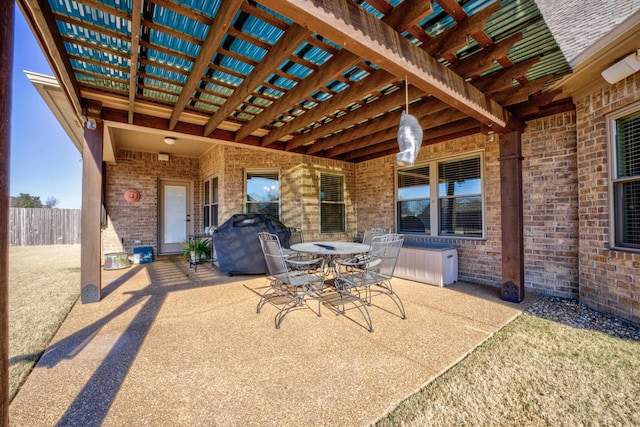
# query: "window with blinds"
[[460, 198], [210, 203], [626, 180], [263, 193], [332, 206], [413, 201], [453, 207]]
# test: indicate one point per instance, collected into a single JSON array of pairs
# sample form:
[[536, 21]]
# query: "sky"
[[44, 161]]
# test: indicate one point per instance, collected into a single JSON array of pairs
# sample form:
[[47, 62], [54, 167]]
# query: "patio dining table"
[[330, 251]]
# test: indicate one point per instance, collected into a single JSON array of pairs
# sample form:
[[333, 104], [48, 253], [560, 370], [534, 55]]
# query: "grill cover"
[[237, 246]]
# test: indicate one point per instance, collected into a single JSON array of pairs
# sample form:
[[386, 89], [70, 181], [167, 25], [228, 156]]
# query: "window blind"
[[332, 208]]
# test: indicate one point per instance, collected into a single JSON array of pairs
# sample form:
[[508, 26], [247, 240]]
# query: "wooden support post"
[[6, 68], [91, 274], [511, 214]]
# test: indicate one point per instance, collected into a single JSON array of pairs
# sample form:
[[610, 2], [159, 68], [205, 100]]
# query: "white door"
[[174, 215]]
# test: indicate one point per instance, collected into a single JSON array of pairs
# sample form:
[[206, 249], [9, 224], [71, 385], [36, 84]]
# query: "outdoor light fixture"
[[409, 135], [169, 140], [91, 124], [623, 68]]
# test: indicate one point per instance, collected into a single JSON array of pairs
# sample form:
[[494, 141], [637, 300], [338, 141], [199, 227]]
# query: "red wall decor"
[[131, 195]]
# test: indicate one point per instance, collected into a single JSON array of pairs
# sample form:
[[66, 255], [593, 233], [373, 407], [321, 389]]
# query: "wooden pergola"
[[326, 78]]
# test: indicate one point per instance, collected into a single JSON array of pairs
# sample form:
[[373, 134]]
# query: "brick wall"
[[128, 222], [550, 202], [479, 260], [299, 188], [609, 279], [299, 185], [549, 198]]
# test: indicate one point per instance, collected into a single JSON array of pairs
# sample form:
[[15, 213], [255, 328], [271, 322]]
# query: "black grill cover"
[[237, 246]]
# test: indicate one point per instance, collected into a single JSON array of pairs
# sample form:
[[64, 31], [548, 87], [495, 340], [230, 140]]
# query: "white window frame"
[[213, 221], [434, 198], [248, 172], [343, 202], [614, 215]]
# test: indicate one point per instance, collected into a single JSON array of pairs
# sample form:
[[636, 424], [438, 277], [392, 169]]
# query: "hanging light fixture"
[[409, 135], [169, 140]]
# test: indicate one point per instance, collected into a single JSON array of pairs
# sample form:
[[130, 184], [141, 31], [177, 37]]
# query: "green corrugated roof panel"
[[106, 84], [170, 60], [80, 66], [224, 92], [153, 83], [98, 55], [165, 74], [206, 107], [161, 96]]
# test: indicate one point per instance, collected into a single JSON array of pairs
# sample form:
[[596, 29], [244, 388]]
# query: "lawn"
[[44, 283], [534, 372]]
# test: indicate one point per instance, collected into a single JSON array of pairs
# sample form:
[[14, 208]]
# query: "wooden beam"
[[419, 109], [484, 60], [380, 106], [360, 32], [332, 68], [92, 173], [503, 79], [135, 47], [272, 60], [430, 121], [403, 15], [357, 91], [511, 219], [217, 31], [407, 14], [518, 94], [456, 37], [6, 70], [436, 135]]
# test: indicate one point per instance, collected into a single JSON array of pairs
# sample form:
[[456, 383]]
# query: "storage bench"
[[432, 263]]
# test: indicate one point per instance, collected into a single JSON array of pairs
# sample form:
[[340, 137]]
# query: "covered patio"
[[167, 346], [206, 95]]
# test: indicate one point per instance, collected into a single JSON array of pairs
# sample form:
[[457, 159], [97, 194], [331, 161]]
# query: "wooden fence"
[[44, 226]]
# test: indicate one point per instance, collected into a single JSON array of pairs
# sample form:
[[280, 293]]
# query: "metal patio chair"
[[295, 236], [291, 282], [358, 260], [373, 278]]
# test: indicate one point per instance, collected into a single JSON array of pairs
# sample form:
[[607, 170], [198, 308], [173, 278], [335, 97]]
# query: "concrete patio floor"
[[169, 346]]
